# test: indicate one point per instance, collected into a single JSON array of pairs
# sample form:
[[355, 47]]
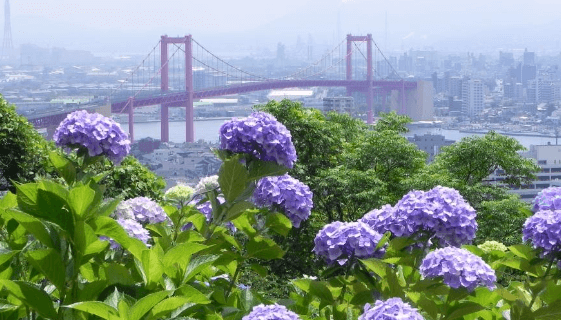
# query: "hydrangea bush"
[[97, 134], [57, 264]]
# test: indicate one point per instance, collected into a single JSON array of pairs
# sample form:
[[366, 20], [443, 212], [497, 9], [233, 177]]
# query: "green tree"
[[131, 179], [23, 151]]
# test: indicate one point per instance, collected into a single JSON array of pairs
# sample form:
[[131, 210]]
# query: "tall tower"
[[7, 45]]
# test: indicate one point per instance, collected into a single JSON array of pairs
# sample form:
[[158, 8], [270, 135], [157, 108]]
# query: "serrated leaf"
[[279, 223], [198, 263], [109, 227], [260, 169], [32, 225], [64, 167]]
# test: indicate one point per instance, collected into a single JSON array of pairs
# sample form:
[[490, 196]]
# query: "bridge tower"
[[369, 88], [164, 87]]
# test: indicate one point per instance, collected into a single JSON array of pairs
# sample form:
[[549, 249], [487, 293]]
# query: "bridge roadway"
[[178, 99]]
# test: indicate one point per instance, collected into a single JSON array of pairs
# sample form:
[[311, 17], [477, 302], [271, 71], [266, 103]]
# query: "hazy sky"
[[118, 26]]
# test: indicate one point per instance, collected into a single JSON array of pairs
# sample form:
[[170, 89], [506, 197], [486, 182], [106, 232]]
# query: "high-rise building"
[[473, 97], [7, 45]]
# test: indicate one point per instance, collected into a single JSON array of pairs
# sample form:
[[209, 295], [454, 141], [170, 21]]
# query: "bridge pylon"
[[164, 86], [369, 77]]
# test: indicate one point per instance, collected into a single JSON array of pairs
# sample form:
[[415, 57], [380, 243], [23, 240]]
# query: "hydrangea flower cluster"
[[391, 309], [458, 268], [180, 193], [142, 210], [544, 230], [339, 241], [548, 199], [133, 229], [492, 245], [98, 134], [206, 184], [285, 194], [261, 135], [271, 312], [441, 212]]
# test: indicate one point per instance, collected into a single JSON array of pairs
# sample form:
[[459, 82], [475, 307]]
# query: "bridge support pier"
[[131, 119], [189, 120], [369, 88], [164, 122]]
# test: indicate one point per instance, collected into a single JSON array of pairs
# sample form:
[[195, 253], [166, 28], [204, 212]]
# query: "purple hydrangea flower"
[[98, 134], [261, 135], [548, 199], [286, 194], [544, 230], [271, 312], [440, 212], [338, 241], [133, 229], [458, 268], [141, 209], [391, 309]]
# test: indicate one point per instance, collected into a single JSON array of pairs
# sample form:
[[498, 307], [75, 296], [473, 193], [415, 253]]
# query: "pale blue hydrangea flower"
[[261, 135], [391, 309], [99, 135], [440, 213], [141, 209], [548, 199], [285, 194], [339, 241], [544, 230], [271, 312], [207, 184], [458, 268]]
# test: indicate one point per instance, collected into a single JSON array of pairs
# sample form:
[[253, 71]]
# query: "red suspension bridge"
[[187, 72]]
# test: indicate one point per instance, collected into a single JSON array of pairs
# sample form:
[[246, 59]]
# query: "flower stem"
[[535, 295]]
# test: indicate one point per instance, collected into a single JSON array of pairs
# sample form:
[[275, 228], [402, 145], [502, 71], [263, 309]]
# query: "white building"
[[548, 157], [338, 104], [473, 97]]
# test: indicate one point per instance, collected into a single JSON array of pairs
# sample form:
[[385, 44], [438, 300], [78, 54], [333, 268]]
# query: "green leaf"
[[464, 308], [197, 264], [34, 298], [64, 167], [260, 169], [142, 306], [27, 197], [259, 269], [7, 255], [376, 266], [117, 273], [54, 208], [109, 227], [264, 248], [523, 251], [167, 306], [32, 225], [245, 223], [279, 223], [320, 290], [193, 295], [97, 308], [176, 259], [238, 209], [50, 264], [232, 178], [551, 312], [81, 199], [152, 264]]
